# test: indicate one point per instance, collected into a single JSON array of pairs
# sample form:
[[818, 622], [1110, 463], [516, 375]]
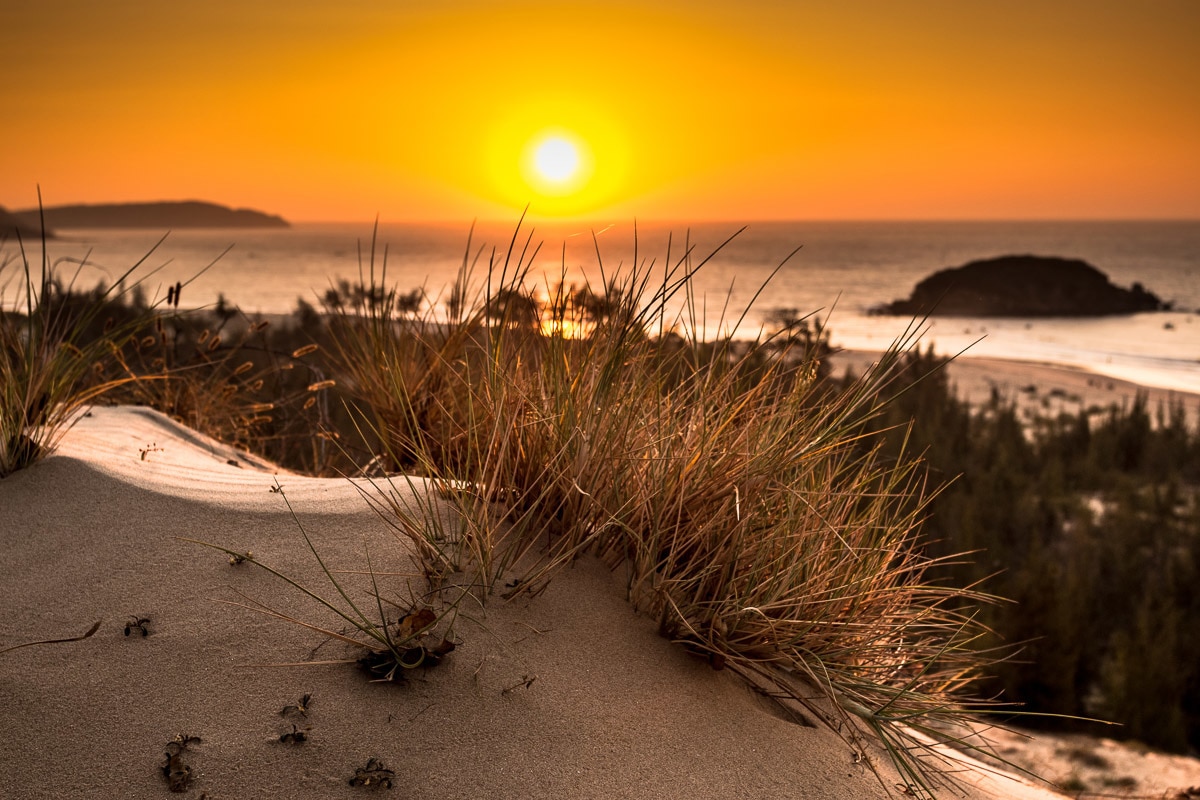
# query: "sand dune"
[[568, 695]]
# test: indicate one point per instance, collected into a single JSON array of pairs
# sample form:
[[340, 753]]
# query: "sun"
[[556, 159], [556, 163], [554, 156]]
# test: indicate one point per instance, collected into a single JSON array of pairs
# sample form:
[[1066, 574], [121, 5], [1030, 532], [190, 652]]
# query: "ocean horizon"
[[838, 271]]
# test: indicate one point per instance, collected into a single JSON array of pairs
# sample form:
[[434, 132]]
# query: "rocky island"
[[1023, 286], [163, 215]]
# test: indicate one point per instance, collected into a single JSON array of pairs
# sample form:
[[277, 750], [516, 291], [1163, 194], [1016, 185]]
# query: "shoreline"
[[1038, 388], [1101, 384]]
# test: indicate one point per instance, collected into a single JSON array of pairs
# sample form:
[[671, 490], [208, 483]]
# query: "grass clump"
[[54, 342], [63, 347], [232, 378], [728, 482]]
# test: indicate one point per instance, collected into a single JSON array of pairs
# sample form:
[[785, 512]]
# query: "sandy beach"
[[569, 694]]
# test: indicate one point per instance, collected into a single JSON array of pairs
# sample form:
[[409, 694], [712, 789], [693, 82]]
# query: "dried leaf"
[[414, 623]]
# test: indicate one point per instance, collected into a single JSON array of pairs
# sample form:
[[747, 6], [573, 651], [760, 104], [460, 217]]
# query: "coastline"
[[1038, 388], [1056, 387]]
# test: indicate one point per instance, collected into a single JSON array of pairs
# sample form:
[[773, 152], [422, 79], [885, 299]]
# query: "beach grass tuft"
[[226, 376], [53, 339], [741, 495]]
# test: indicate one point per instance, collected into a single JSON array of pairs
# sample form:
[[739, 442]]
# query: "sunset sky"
[[657, 110]]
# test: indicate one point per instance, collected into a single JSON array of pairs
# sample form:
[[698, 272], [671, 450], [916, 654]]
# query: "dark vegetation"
[[1090, 524], [235, 379]]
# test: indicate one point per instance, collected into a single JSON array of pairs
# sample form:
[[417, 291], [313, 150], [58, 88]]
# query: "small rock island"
[[1023, 286], [163, 215]]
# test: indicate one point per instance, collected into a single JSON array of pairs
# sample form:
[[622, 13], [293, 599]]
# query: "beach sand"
[[568, 695], [1037, 389]]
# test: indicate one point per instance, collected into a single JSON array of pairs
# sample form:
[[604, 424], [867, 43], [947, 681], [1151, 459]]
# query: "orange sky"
[[686, 110]]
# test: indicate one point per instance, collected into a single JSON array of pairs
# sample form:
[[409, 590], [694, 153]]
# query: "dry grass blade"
[[90, 631], [388, 653]]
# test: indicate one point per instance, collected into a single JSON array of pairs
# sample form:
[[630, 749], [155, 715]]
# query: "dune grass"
[[63, 347], [723, 478], [389, 649], [224, 375], [53, 341]]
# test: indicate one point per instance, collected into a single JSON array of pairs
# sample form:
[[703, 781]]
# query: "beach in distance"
[[1038, 390], [840, 272]]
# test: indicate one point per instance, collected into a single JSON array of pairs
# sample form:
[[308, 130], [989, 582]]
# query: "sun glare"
[[557, 163], [556, 159], [566, 167]]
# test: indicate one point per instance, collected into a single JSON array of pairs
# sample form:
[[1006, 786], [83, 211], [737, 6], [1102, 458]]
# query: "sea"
[[835, 271]]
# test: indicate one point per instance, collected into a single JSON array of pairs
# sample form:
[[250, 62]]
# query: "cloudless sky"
[[695, 110]]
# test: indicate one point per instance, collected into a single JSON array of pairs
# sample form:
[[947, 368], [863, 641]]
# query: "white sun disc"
[[556, 159]]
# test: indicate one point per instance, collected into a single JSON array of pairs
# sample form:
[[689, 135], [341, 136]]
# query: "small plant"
[[237, 558], [525, 682], [299, 707], [294, 736], [374, 775], [390, 650], [139, 624], [176, 772]]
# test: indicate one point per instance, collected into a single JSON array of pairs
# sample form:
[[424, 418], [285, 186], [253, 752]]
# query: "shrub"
[[1088, 522]]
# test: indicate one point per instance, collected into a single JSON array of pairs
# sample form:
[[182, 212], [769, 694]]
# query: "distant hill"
[[11, 225], [172, 215]]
